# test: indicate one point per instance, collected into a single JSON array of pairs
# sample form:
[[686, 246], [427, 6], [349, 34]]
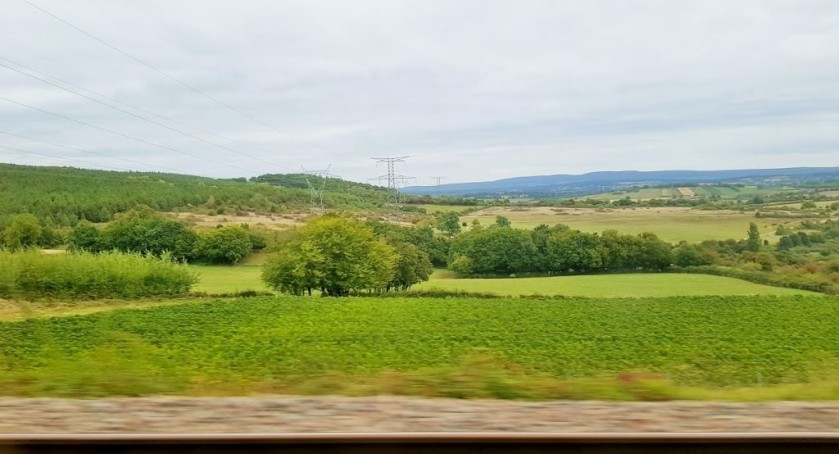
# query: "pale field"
[[431, 209], [277, 221], [797, 205], [671, 224]]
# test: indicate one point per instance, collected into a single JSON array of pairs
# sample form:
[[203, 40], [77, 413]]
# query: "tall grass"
[[32, 275]]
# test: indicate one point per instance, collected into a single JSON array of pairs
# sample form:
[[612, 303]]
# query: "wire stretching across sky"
[[56, 158], [70, 147], [136, 139], [171, 77], [128, 112]]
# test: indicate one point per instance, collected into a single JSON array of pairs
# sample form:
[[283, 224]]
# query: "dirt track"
[[277, 414]]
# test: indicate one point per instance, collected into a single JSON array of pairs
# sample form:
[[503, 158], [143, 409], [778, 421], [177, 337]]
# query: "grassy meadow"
[[232, 279], [671, 224], [228, 279], [642, 285], [724, 192], [648, 349]]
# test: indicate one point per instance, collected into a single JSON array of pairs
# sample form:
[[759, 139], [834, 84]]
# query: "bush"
[[32, 275], [224, 245], [24, 231], [142, 230]]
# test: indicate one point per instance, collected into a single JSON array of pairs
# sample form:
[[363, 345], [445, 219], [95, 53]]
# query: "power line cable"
[[146, 111], [168, 76], [70, 147], [54, 157], [137, 139], [127, 112]]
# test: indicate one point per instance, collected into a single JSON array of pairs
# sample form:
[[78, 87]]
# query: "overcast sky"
[[470, 90]]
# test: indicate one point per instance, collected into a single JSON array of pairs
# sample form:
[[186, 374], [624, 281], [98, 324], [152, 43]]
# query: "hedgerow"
[[77, 276]]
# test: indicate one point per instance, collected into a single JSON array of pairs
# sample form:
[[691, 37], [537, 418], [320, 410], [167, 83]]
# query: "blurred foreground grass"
[[733, 348]]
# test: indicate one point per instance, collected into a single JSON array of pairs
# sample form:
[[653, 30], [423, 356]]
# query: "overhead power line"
[[169, 76], [54, 157], [111, 131], [70, 147], [127, 112]]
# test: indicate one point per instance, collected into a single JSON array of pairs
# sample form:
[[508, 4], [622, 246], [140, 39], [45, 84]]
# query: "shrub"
[[23, 232], [143, 230], [224, 245], [83, 275]]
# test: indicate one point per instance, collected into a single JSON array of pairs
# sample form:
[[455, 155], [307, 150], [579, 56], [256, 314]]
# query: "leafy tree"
[[574, 251], [142, 230], [754, 238], [50, 237], [654, 254], [23, 232], [448, 222], [334, 255], [84, 237], [502, 221], [423, 238], [224, 245], [494, 251], [413, 266], [686, 254]]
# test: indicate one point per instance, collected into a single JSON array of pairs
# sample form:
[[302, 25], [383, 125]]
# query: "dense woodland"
[[62, 197]]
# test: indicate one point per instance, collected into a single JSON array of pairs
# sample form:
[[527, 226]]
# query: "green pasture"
[[726, 193], [636, 194], [610, 286], [661, 348], [671, 224], [219, 279]]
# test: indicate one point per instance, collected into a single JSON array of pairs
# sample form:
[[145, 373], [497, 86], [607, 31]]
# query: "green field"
[[228, 279], [611, 286], [672, 224], [724, 192], [232, 279], [457, 347]]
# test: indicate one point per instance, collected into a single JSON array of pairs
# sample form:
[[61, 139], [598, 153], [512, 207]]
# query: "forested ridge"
[[63, 196]]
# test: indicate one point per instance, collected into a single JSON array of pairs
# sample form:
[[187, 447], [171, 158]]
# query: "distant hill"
[[561, 185], [62, 196]]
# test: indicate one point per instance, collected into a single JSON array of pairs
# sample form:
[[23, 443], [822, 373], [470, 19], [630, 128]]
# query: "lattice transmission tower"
[[316, 190], [394, 180]]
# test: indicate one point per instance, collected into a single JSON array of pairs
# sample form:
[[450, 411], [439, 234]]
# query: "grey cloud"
[[470, 89]]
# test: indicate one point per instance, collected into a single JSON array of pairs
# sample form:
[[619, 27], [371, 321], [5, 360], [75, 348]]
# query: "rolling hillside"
[[562, 185]]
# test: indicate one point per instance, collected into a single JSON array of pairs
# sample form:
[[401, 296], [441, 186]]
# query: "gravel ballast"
[[279, 414]]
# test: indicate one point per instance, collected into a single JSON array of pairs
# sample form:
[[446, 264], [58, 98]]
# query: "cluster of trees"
[[500, 249], [339, 256], [806, 259], [144, 231], [25, 231]]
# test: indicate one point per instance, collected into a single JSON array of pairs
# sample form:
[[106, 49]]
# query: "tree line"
[[501, 250], [143, 230]]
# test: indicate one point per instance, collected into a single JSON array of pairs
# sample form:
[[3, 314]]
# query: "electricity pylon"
[[315, 192], [393, 179]]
